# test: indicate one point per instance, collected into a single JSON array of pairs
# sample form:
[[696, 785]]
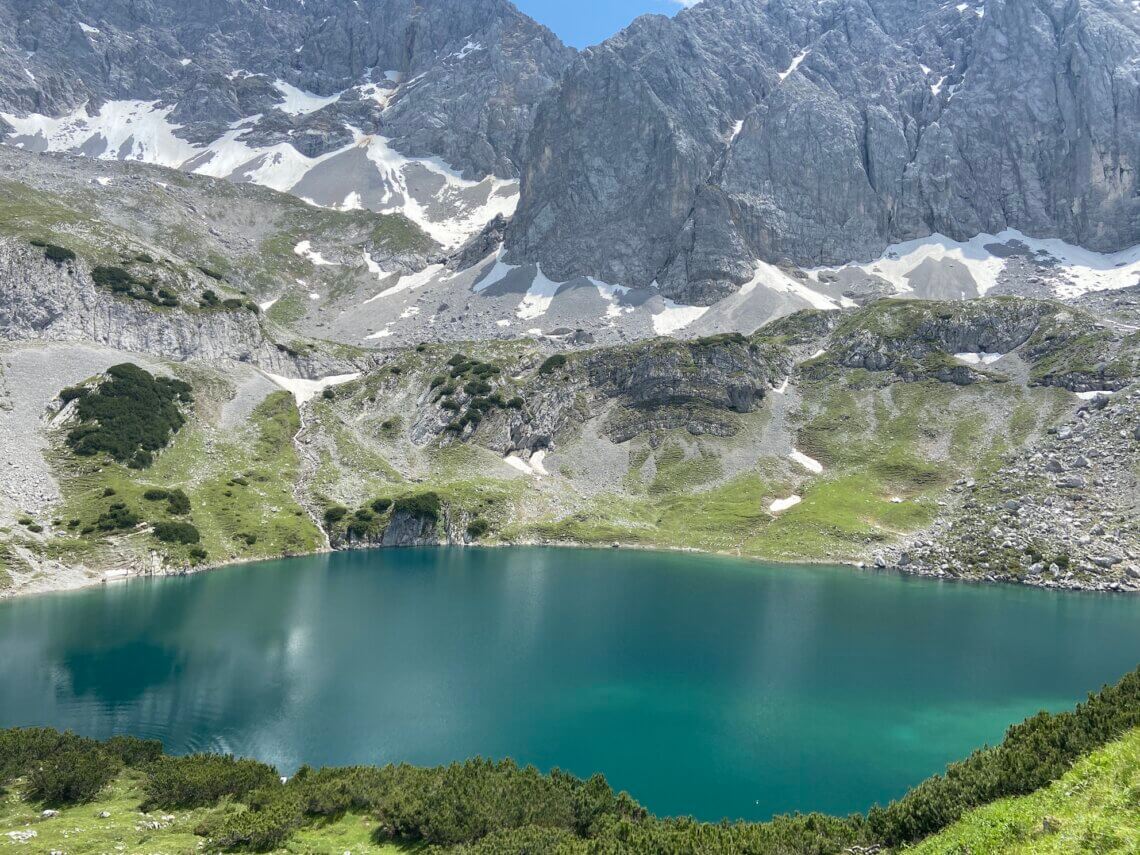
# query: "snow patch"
[[298, 102], [305, 390], [536, 459], [781, 505], [404, 283], [532, 467], [305, 250], [674, 317], [800, 57], [775, 279], [1092, 396], [467, 50], [980, 358], [518, 463], [142, 130], [538, 296], [268, 304], [808, 463], [129, 130], [1081, 270]]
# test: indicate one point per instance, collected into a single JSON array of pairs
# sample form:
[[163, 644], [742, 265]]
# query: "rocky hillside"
[[863, 436]]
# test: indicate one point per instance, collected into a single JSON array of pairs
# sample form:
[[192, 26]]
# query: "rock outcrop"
[[1062, 514], [46, 301]]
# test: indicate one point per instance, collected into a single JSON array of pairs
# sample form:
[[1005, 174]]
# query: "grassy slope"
[[204, 461], [909, 441], [1094, 808], [81, 831]]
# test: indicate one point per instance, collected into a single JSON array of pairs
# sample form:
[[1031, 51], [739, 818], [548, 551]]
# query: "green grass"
[[1093, 809], [81, 831], [240, 482], [677, 471]]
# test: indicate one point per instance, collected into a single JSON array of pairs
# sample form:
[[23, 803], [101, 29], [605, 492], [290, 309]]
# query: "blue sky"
[[586, 22]]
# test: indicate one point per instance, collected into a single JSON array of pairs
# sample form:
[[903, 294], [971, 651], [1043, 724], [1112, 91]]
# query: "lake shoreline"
[[911, 571]]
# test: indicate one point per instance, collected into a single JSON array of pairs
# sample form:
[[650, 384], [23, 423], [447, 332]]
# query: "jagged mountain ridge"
[[666, 167], [680, 150], [420, 107]]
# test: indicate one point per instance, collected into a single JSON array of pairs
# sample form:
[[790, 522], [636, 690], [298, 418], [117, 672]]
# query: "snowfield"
[[1073, 270], [143, 131]]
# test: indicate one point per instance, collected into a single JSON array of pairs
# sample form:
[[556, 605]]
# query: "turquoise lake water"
[[703, 686]]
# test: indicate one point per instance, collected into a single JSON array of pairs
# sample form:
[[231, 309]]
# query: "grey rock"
[[480, 68], [680, 150]]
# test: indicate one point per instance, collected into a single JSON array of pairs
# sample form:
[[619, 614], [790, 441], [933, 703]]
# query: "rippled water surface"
[[702, 685]]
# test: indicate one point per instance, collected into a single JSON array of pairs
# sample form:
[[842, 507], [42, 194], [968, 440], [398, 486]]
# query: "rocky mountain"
[[681, 151], [393, 105], [740, 161]]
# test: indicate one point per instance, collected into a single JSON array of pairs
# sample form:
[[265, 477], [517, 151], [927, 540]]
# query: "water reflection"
[[702, 685]]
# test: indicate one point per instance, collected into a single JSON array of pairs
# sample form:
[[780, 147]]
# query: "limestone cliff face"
[[819, 133], [480, 67], [42, 300]]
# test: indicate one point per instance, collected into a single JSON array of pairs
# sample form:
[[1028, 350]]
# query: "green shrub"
[[156, 495], [58, 254], [329, 394], [213, 274], [381, 505], [178, 503], [200, 780], [450, 404], [72, 393], [477, 387], [420, 505], [115, 279], [335, 514], [209, 299], [437, 381], [232, 303], [35, 528], [552, 363], [118, 517], [261, 830], [129, 415], [61, 768], [515, 403], [133, 751], [71, 776], [176, 532], [198, 554], [478, 528], [144, 258]]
